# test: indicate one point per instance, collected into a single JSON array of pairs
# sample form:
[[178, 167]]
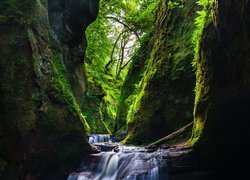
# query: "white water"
[[129, 163], [96, 138]]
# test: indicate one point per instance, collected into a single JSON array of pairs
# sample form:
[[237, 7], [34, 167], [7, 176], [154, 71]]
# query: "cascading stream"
[[96, 138], [124, 163]]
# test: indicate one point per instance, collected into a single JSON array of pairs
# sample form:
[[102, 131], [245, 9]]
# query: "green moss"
[[103, 86], [201, 88], [104, 70], [128, 139], [159, 99], [38, 109], [92, 110], [63, 90], [130, 87], [203, 18], [13, 10], [102, 98], [181, 46], [16, 77], [174, 4], [181, 138]]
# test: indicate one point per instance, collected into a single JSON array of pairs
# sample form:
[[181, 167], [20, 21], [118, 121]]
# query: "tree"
[[112, 41]]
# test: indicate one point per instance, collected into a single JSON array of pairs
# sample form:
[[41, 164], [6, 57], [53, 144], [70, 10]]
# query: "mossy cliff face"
[[221, 114], [93, 111], [41, 127], [69, 20], [129, 88], [163, 100]]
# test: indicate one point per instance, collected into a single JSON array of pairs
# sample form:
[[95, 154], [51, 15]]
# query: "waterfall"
[[109, 167], [97, 138], [125, 163]]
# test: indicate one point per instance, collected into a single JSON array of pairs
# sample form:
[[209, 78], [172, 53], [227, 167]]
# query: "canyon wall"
[[158, 96], [221, 113], [42, 82]]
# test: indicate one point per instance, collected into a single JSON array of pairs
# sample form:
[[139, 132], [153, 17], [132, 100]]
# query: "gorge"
[[167, 81]]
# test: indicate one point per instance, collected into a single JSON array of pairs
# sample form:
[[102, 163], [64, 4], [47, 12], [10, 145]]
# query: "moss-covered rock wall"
[[129, 88], [68, 22], [221, 113], [164, 96], [41, 83]]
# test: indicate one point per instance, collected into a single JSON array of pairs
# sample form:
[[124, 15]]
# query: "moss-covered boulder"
[[42, 130], [163, 99]]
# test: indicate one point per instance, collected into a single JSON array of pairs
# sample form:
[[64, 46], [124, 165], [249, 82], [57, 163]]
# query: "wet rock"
[[165, 147], [106, 146], [152, 148], [95, 149], [116, 149]]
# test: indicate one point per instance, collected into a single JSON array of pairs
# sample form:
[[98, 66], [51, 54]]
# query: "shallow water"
[[124, 162]]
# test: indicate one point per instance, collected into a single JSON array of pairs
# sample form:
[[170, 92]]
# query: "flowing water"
[[97, 138], [123, 163]]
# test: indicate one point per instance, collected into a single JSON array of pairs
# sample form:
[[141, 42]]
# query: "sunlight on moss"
[[170, 57], [174, 4], [204, 16], [197, 131]]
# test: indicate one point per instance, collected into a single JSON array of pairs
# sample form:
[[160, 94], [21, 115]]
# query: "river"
[[119, 162]]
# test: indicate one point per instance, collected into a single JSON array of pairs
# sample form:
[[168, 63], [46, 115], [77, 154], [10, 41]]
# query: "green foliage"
[[175, 4], [159, 95], [63, 90], [130, 87], [112, 41], [203, 17]]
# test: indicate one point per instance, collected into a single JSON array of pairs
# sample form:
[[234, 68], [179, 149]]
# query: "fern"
[[203, 17], [172, 4]]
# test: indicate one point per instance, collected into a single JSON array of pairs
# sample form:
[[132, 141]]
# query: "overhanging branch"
[[125, 25]]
